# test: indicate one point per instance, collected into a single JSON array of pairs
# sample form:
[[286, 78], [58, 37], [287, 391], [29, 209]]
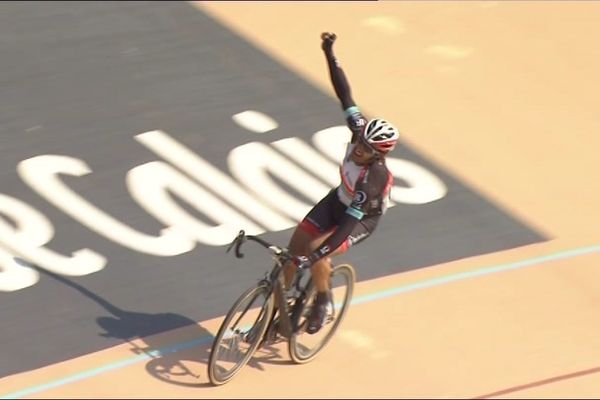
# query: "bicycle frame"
[[274, 280]]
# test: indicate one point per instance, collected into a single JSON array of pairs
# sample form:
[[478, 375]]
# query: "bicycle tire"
[[299, 350], [238, 334]]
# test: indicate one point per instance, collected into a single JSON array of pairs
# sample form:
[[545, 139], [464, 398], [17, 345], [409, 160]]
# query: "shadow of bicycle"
[[180, 368], [271, 354], [181, 363]]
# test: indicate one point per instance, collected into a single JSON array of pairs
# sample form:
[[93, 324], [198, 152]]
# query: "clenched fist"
[[327, 40]]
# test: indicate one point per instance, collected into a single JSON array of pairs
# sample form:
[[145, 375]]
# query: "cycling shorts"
[[327, 214]]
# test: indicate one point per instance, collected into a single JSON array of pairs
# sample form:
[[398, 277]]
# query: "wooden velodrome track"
[[505, 96]]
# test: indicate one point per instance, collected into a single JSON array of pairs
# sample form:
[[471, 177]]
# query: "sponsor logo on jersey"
[[360, 197]]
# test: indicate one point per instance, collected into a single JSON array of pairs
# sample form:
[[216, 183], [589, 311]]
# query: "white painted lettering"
[[33, 230], [14, 276], [310, 159], [205, 173], [424, 187], [150, 185], [255, 121], [332, 142], [41, 174], [252, 163]]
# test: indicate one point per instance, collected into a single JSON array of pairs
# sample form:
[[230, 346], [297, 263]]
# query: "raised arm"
[[336, 73]]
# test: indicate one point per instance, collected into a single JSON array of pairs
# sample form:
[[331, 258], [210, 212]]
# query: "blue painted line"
[[358, 300], [109, 367], [475, 273]]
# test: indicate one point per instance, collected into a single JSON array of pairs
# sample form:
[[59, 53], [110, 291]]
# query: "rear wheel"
[[304, 347], [240, 334]]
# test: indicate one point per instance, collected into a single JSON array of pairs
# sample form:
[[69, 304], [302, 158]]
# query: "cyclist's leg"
[[298, 245], [321, 270], [317, 222]]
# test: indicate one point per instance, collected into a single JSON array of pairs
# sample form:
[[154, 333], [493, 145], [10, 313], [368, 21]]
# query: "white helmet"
[[381, 135]]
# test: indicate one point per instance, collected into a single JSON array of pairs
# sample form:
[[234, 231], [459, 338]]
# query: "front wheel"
[[240, 334], [304, 347]]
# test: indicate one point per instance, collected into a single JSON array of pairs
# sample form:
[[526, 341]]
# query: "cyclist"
[[349, 213]]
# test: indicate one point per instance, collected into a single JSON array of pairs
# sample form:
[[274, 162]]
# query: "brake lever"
[[237, 242], [238, 253]]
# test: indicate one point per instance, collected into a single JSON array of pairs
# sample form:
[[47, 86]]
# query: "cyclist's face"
[[362, 152]]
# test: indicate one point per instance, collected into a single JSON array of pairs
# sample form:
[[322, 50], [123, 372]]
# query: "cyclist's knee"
[[300, 242]]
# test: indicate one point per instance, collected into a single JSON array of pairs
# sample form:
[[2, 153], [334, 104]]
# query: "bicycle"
[[264, 313]]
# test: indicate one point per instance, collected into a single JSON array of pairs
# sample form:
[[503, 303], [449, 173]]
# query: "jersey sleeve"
[[356, 121], [336, 239]]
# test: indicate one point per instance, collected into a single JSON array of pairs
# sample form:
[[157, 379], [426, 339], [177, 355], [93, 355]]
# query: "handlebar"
[[242, 237], [281, 252]]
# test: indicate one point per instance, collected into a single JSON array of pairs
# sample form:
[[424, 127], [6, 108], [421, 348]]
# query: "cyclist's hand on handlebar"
[[327, 40]]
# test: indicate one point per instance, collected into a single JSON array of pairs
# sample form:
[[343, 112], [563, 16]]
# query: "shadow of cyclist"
[[181, 364]]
